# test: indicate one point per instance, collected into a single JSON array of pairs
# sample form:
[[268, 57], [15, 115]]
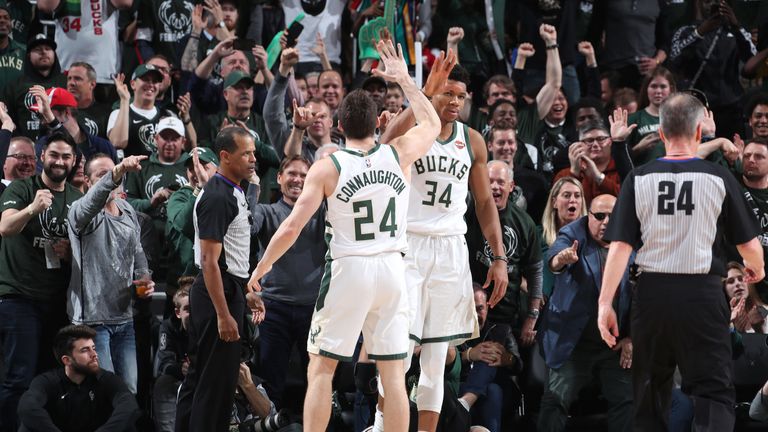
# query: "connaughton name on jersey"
[[367, 178], [432, 163]]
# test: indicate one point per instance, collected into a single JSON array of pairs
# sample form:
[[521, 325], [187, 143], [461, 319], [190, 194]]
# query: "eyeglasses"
[[23, 157], [733, 279], [600, 215], [599, 140]]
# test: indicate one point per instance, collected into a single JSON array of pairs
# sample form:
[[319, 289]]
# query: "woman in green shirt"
[[643, 138]]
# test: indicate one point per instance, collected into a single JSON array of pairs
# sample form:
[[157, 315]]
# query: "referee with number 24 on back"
[[678, 212]]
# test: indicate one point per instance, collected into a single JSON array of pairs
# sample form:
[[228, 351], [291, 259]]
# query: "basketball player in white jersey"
[[437, 265], [366, 187]]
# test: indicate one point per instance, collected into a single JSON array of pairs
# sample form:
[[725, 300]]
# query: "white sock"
[[378, 420]]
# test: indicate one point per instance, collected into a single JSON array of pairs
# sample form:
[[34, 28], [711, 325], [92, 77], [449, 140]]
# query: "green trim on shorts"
[[414, 338], [335, 163], [446, 338], [335, 356], [325, 282], [388, 356]]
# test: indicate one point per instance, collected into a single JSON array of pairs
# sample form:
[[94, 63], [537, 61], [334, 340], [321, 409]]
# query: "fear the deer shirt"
[[24, 269]]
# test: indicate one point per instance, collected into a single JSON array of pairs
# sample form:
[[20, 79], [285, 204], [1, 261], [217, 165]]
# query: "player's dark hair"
[[64, 341], [225, 140], [357, 115], [679, 116], [60, 136], [87, 167], [291, 159], [460, 74]]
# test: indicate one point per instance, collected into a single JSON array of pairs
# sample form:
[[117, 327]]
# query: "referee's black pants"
[[683, 321], [208, 392]]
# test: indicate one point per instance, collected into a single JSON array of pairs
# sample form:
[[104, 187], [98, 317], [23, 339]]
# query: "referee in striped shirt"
[[678, 212]]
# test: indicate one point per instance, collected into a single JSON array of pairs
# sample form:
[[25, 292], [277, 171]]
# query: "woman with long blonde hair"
[[565, 204]]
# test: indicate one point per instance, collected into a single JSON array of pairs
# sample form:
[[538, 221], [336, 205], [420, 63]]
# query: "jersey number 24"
[[670, 201]]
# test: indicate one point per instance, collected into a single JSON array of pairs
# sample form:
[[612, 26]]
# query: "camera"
[[271, 423]]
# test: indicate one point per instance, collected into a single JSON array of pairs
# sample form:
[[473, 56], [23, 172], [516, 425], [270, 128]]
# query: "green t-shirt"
[[521, 246], [11, 63], [646, 124], [23, 267]]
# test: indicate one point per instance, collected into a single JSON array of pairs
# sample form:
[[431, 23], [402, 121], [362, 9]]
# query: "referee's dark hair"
[[65, 339], [225, 140], [358, 114], [62, 135], [680, 115]]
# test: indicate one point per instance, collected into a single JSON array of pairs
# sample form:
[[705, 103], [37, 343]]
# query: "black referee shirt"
[[221, 214], [678, 214]]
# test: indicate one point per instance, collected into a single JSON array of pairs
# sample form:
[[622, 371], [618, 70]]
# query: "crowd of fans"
[[108, 110]]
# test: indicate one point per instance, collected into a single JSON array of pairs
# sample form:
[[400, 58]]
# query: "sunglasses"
[[600, 215], [733, 279]]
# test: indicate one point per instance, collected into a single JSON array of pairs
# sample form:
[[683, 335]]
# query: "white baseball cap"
[[172, 123]]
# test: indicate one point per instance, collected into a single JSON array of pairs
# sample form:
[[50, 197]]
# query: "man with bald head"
[[678, 213], [20, 162], [573, 350]]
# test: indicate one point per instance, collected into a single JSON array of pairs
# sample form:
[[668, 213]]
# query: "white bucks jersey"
[[439, 183], [367, 210]]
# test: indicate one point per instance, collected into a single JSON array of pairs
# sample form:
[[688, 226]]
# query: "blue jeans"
[[116, 347], [488, 409], [25, 327]]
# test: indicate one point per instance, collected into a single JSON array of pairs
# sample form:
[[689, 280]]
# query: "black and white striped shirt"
[[221, 214], [679, 214]]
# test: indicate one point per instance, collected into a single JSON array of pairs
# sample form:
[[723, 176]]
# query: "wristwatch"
[[533, 313], [222, 25]]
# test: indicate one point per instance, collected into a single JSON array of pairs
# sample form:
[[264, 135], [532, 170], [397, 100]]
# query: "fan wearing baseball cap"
[[57, 109], [160, 176], [41, 67], [131, 127]]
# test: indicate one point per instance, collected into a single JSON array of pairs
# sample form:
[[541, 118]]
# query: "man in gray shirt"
[[290, 289], [106, 250]]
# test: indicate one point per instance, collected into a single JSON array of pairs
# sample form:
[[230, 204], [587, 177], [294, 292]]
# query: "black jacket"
[[54, 403]]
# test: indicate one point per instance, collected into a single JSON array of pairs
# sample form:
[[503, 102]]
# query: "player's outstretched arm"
[[320, 177], [488, 216], [417, 141]]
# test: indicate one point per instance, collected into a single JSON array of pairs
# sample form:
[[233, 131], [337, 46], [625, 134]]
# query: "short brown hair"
[[358, 114]]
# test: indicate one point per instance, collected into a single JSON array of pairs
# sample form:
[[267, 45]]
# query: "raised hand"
[[6, 122], [575, 152], [438, 75], [302, 117], [197, 19], [455, 35], [394, 63], [708, 127], [288, 59], [214, 8], [183, 103], [619, 129], [319, 48], [225, 47], [43, 104], [548, 33], [121, 87], [526, 50], [200, 172], [260, 56], [385, 118], [129, 164]]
